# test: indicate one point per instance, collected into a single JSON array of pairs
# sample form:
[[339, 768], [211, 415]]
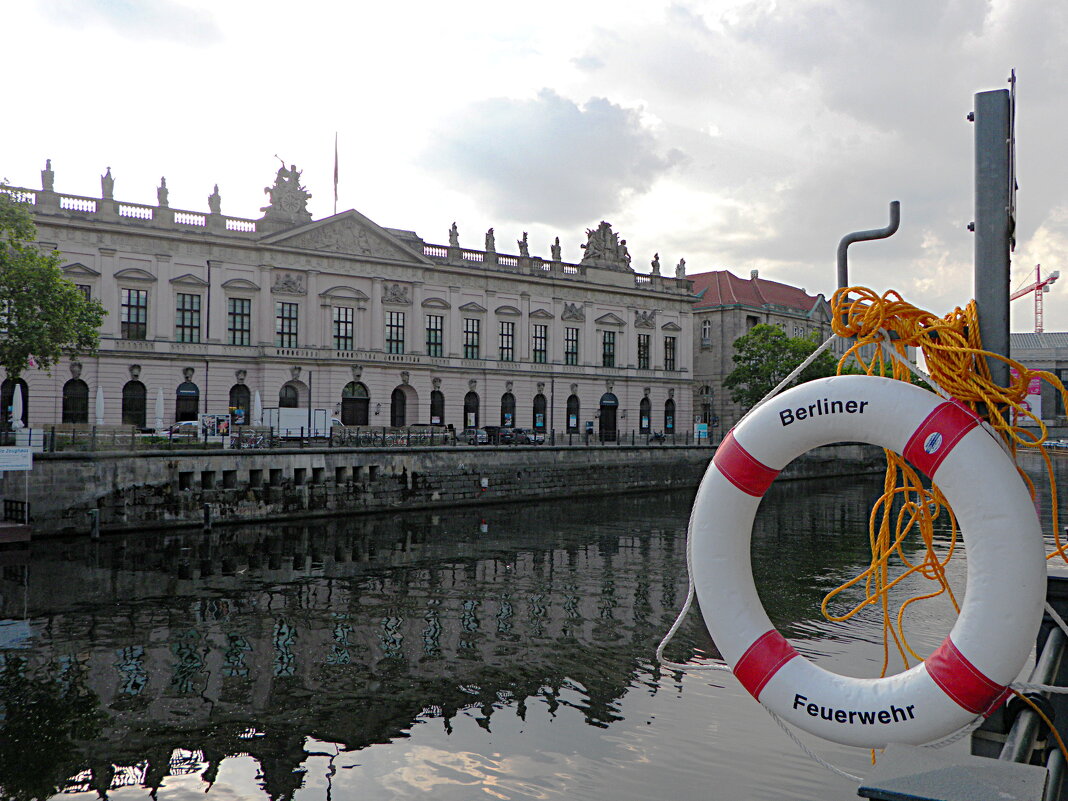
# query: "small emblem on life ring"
[[932, 443]]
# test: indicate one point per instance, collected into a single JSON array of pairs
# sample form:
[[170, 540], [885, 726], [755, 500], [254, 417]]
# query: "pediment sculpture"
[[605, 249]]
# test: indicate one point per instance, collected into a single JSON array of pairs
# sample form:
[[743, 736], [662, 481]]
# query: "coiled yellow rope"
[[956, 362]]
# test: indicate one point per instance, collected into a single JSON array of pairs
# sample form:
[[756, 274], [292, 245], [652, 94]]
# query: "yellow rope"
[[956, 361]]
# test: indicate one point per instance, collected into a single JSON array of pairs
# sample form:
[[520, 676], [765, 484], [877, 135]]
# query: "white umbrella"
[[257, 410], [100, 405], [16, 408], [159, 409]]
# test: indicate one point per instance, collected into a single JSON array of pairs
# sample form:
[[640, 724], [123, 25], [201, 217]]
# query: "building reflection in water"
[[158, 654]]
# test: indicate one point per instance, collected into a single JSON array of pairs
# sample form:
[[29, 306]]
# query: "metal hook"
[[864, 236]]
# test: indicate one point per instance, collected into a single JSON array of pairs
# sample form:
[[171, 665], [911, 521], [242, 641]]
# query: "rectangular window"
[[571, 346], [343, 328], [608, 348], [643, 351], [134, 314], [187, 318], [285, 325], [86, 290], [435, 324], [540, 342], [471, 347], [669, 353], [395, 332], [506, 344], [238, 321]]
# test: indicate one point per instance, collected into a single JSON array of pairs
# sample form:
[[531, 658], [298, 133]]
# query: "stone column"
[[265, 311], [110, 295], [161, 307], [453, 329], [215, 304], [378, 325], [313, 336], [523, 353], [414, 338]]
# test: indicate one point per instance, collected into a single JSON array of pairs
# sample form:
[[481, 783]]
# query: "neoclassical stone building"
[[370, 323]]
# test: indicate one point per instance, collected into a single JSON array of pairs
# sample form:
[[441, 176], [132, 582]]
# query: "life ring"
[[969, 672]]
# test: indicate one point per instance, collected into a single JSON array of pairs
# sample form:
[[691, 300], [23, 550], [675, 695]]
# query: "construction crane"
[[1039, 286]]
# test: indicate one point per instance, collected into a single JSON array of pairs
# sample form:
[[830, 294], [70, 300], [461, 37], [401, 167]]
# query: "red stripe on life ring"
[[741, 469], [938, 434], [963, 682], [762, 660]]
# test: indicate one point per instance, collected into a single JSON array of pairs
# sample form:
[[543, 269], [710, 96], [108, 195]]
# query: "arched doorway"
[[607, 417], [437, 408], [134, 399], [471, 410], [75, 401], [289, 395], [398, 408], [573, 414], [355, 402], [669, 416], [507, 410], [645, 416], [187, 402], [539, 412], [240, 405], [7, 397]]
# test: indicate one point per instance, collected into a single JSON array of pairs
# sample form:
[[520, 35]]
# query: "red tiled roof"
[[724, 288]]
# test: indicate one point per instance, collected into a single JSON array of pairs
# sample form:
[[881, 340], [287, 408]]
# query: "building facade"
[[727, 307], [207, 312]]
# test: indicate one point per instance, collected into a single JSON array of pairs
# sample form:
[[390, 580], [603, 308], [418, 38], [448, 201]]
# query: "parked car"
[[528, 436], [474, 436], [501, 435], [186, 428]]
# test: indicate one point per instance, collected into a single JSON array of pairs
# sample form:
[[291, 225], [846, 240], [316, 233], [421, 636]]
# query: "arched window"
[[573, 414], [705, 396], [288, 397], [706, 330], [437, 408], [539, 412], [355, 402], [134, 397], [75, 401], [187, 403], [398, 408], [471, 410], [240, 405], [7, 398], [645, 416], [669, 416], [507, 409]]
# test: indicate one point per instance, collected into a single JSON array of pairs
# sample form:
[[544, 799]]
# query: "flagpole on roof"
[[335, 172]]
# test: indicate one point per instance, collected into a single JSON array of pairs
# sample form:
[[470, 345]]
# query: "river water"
[[494, 653]]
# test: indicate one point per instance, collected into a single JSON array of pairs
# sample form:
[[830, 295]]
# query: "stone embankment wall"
[[159, 489]]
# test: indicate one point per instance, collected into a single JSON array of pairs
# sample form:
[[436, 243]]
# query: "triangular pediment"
[[79, 269], [189, 280], [671, 327], [348, 233], [134, 274], [609, 319], [540, 314], [508, 311], [241, 283], [343, 292], [436, 303], [473, 308]]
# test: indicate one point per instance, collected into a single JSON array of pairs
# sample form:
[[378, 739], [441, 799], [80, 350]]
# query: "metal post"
[[993, 223]]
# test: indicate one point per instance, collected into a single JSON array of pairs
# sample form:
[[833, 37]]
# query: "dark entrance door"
[[398, 407], [355, 403], [609, 407], [187, 403]]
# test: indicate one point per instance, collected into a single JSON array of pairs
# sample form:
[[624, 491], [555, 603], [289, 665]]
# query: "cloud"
[[549, 160], [137, 19]]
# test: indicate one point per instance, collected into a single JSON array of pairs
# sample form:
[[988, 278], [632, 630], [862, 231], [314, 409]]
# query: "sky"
[[737, 134]]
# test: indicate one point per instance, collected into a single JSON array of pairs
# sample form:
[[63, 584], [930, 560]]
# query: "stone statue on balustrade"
[[289, 200], [162, 195], [215, 201], [524, 246], [656, 264], [680, 269], [491, 242], [554, 249], [454, 236], [604, 249], [48, 178], [107, 186]]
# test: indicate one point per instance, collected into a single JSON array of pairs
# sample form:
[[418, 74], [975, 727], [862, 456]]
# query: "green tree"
[[42, 315], [765, 356]]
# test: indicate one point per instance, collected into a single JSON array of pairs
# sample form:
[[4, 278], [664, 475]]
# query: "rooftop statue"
[[524, 246], [656, 264], [215, 201], [605, 249], [454, 236], [554, 249], [107, 186], [162, 194], [48, 178], [289, 200], [680, 270], [491, 243]]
